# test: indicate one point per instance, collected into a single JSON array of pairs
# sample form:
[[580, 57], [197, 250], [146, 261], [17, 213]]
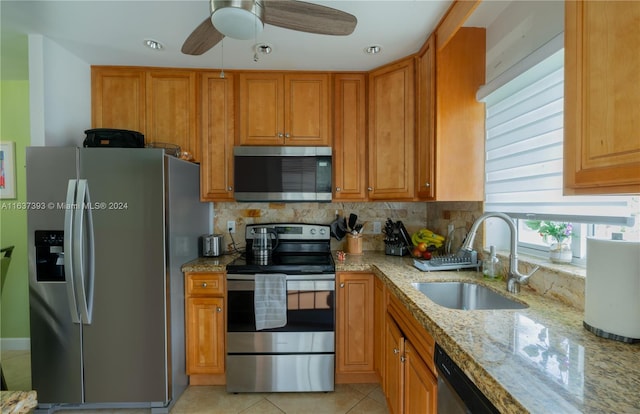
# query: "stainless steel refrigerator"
[[109, 229]]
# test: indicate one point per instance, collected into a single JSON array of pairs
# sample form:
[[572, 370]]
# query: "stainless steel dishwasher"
[[456, 392]]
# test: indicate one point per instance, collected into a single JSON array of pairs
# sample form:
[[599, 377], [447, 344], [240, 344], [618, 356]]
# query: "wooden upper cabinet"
[[171, 107], [284, 109], [425, 108], [160, 103], [217, 123], [349, 137], [602, 97], [118, 98], [460, 118], [392, 131]]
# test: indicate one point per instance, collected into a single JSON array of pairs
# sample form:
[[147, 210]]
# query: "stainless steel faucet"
[[514, 278]]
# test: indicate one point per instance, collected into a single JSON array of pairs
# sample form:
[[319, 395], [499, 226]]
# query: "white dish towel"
[[270, 300]]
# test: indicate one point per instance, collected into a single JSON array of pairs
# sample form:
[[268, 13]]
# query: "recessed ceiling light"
[[153, 44], [373, 49]]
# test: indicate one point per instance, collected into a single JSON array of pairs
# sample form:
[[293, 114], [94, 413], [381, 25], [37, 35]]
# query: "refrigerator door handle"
[[68, 249], [83, 253]]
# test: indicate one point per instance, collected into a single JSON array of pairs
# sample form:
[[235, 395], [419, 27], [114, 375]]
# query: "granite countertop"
[[539, 359], [209, 264], [18, 402]]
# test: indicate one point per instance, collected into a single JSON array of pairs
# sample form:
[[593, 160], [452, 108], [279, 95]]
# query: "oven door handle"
[[292, 285]]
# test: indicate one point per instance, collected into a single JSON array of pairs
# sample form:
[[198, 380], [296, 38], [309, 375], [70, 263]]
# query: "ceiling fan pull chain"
[[222, 53]]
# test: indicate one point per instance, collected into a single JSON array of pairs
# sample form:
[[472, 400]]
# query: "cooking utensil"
[[358, 228], [352, 221]]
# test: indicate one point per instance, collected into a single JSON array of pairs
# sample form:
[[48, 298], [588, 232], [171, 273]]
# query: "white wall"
[[521, 28], [60, 94]]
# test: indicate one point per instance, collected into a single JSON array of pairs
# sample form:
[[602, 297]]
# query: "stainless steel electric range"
[[299, 355]]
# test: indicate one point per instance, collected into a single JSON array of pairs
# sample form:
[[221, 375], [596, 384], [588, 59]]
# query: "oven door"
[[310, 317]]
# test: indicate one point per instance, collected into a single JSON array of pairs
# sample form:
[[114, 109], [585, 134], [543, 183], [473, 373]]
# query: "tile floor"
[[352, 398]]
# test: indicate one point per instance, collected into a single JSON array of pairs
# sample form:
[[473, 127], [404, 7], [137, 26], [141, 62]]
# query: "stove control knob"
[[323, 231], [313, 231]]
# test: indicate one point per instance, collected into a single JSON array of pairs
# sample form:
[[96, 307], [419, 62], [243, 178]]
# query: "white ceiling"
[[112, 33]]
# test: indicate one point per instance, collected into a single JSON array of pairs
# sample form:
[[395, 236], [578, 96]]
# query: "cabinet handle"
[[370, 188], [341, 285], [338, 189], [204, 284], [219, 309], [396, 351]]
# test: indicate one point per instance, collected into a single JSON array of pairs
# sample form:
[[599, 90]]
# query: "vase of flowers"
[[557, 235]]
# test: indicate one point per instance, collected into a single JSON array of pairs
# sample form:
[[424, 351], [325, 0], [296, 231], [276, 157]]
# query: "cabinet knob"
[[370, 188], [338, 189], [402, 358], [396, 351], [287, 135], [204, 284], [219, 309], [280, 134], [229, 188], [427, 185], [341, 285]]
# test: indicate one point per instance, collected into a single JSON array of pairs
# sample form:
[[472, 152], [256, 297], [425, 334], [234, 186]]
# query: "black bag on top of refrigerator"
[[114, 138]]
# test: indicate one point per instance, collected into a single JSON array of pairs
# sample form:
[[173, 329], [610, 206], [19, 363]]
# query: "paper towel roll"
[[612, 289]]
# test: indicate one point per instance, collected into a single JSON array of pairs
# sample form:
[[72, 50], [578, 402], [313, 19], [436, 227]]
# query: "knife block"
[[354, 243]]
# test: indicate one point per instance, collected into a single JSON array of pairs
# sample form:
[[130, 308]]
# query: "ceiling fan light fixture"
[[238, 19]]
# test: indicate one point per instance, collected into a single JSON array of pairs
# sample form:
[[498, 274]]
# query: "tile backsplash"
[[413, 215]]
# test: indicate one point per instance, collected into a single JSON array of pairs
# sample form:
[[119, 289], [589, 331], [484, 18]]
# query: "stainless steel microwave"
[[282, 173]]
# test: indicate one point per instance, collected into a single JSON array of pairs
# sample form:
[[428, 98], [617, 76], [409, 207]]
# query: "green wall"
[[14, 126]]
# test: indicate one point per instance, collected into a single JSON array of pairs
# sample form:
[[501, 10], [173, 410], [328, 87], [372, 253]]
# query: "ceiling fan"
[[244, 19]]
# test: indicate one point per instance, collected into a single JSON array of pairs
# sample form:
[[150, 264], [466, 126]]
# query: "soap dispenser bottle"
[[491, 268]]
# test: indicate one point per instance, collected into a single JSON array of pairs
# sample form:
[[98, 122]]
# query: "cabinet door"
[[602, 97], [391, 132], [118, 98], [421, 386], [205, 335], [306, 109], [460, 118], [354, 335], [380, 312], [261, 109], [349, 137], [393, 384], [171, 109], [425, 106], [217, 111]]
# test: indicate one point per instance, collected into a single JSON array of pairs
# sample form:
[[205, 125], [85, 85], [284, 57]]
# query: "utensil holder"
[[354, 243]]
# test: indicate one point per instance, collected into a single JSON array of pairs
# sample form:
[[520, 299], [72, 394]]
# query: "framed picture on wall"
[[7, 169]]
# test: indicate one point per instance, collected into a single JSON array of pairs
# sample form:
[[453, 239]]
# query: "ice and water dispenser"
[[49, 255]]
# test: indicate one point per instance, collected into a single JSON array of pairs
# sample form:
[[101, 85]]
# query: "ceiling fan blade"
[[308, 17], [203, 38]]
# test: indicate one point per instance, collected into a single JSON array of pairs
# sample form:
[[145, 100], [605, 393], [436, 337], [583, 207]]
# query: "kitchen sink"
[[466, 296]]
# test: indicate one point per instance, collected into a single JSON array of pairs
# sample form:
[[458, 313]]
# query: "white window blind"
[[524, 152]]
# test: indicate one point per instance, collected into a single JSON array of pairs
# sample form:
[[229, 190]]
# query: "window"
[[524, 156]]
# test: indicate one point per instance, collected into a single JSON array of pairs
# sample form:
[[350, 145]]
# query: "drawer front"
[[205, 284]]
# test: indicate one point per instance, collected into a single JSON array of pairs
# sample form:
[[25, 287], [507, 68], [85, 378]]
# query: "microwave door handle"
[[69, 273], [84, 252]]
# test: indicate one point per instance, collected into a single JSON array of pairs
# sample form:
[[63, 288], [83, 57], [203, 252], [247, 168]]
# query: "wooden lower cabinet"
[[409, 382], [355, 328], [420, 383], [205, 328]]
